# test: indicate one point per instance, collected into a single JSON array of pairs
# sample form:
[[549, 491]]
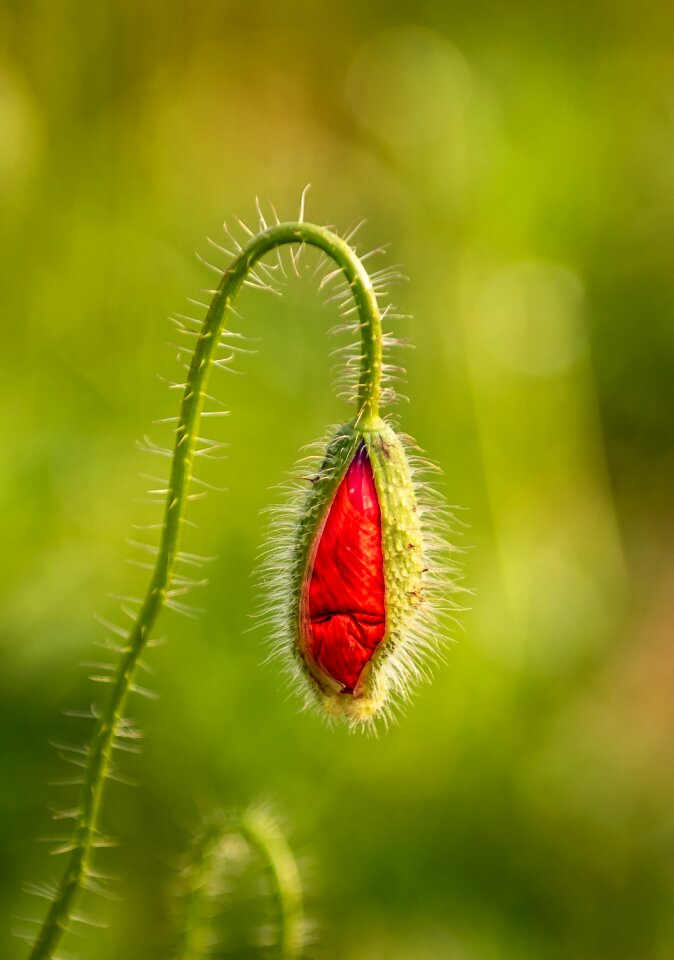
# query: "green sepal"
[[402, 550]]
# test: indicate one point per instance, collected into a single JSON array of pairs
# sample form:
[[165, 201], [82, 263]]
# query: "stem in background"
[[208, 873], [265, 836], [86, 833]]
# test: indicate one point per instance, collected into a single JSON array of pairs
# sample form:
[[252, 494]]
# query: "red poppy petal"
[[345, 598]]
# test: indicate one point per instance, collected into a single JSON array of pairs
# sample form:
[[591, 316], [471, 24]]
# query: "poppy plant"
[[356, 572]]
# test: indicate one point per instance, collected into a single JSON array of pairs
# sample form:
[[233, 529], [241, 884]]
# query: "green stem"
[[369, 390], [209, 868], [265, 836]]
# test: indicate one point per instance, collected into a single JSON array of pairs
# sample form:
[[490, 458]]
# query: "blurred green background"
[[518, 159]]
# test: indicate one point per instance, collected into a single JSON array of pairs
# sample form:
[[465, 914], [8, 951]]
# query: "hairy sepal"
[[391, 667]]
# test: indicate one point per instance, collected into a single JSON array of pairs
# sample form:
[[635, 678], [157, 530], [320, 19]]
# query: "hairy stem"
[[209, 882], [265, 836], [86, 834]]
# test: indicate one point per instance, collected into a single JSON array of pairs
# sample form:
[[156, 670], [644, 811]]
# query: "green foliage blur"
[[518, 159]]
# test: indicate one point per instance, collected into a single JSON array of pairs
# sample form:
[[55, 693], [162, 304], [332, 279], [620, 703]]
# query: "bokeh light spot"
[[409, 86]]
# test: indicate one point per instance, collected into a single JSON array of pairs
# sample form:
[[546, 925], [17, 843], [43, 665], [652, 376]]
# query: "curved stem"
[[369, 390], [268, 839], [270, 847]]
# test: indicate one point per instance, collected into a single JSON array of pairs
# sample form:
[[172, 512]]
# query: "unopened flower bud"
[[355, 575]]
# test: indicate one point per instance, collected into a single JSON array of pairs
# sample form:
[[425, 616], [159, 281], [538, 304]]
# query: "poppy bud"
[[352, 586]]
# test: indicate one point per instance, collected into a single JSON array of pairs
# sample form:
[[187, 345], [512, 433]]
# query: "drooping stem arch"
[[86, 833], [210, 865]]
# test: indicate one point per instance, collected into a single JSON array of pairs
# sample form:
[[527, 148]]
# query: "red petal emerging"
[[345, 612]]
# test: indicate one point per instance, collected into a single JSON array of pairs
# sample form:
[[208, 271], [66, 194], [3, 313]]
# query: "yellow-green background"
[[518, 159]]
